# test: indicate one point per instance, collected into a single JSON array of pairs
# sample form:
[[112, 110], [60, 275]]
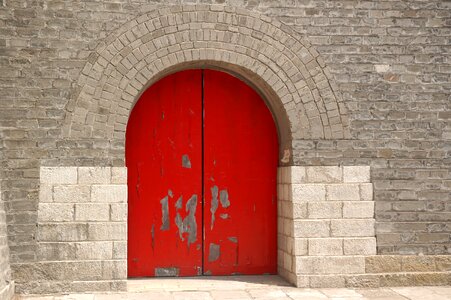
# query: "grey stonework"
[[388, 72], [6, 283], [81, 232]]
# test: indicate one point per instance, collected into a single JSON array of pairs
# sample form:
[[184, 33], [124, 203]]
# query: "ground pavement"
[[247, 288]]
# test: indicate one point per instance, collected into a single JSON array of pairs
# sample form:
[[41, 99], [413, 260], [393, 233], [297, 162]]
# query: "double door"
[[201, 153]]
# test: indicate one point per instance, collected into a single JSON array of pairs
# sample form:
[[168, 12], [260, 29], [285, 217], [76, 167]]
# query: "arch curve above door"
[[300, 90]]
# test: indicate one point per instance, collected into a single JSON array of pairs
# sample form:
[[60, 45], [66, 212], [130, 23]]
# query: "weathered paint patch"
[[179, 224], [214, 204], [224, 216], [233, 239], [186, 163], [165, 214], [188, 224], [170, 193], [167, 272], [190, 221], [214, 252], [179, 203], [224, 198]]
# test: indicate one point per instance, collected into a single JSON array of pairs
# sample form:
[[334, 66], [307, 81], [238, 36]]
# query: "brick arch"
[[270, 55]]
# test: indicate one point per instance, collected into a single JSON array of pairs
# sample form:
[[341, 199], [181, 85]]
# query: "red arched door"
[[201, 153]]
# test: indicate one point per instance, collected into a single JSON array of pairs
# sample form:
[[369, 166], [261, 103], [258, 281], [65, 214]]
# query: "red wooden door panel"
[[164, 161], [201, 153], [240, 166]]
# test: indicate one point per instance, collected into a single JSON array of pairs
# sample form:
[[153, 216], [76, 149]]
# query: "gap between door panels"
[[203, 169]]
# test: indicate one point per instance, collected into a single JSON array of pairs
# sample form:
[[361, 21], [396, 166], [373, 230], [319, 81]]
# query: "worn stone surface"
[[6, 282], [81, 233]]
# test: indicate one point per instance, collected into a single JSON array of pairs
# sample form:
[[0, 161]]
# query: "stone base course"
[[328, 218], [325, 233], [82, 232], [378, 271]]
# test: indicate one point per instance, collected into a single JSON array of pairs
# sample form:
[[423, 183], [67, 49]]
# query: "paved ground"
[[249, 287]]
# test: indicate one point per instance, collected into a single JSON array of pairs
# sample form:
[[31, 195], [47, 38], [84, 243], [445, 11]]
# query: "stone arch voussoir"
[[277, 60]]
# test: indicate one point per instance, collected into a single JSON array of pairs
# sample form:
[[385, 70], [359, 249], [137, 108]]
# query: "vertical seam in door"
[[203, 164]]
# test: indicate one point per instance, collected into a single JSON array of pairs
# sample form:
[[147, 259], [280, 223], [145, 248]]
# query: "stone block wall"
[[82, 231], [6, 283], [332, 211]]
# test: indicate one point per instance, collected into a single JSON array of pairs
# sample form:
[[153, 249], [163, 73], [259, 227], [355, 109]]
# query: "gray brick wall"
[[390, 60]]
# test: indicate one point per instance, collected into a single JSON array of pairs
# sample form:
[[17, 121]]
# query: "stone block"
[[343, 192], [288, 227], [286, 192], [368, 281], [414, 279], [109, 193], [299, 210], [119, 249], [359, 246], [356, 174], [330, 265], [443, 263], [58, 175], [321, 174], [300, 246], [330, 281], [114, 269], [297, 174], [57, 271], [63, 232], [94, 175], [383, 264], [290, 245], [118, 212], [352, 228], [92, 212], [119, 175], [279, 175], [280, 192], [56, 251], [415, 263], [55, 212], [288, 261], [94, 250], [107, 231], [286, 209], [71, 193], [324, 210], [45, 193], [366, 192], [358, 209], [302, 281], [325, 246], [308, 192], [311, 228]]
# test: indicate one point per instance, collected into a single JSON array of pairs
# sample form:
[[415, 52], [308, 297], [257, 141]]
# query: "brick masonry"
[[386, 63], [82, 231], [6, 283], [331, 220], [327, 233]]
